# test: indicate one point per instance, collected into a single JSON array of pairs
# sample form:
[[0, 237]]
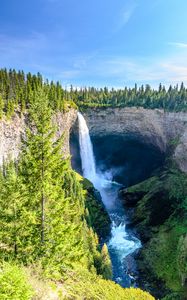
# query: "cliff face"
[[156, 127], [12, 130]]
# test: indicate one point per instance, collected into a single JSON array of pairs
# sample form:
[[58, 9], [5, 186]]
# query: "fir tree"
[[106, 263], [11, 219], [1, 106]]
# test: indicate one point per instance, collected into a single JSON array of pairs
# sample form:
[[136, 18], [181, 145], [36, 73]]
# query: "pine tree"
[[1, 106], [10, 108], [37, 158], [54, 195], [106, 263], [10, 212]]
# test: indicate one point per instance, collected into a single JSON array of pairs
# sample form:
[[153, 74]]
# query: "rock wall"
[[155, 127], [12, 130]]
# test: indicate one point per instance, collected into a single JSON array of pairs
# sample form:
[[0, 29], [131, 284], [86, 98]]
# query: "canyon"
[[155, 127], [124, 129]]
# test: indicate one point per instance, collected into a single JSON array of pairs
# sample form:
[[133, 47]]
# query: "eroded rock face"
[[156, 127], [10, 137], [64, 123], [12, 130]]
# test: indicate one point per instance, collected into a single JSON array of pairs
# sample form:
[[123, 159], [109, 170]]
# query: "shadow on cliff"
[[126, 159]]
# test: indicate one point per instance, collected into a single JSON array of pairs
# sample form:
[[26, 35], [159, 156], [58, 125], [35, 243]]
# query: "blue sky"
[[96, 42]]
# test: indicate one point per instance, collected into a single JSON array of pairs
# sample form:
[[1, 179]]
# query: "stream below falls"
[[122, 243]]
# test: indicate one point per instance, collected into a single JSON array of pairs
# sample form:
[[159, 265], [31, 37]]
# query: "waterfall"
[[86, 150], [121, 242]]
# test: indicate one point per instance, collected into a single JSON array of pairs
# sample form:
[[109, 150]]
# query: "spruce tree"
[[106, 263], [11, 202], [37, 160], [54, 196], [1, 106]]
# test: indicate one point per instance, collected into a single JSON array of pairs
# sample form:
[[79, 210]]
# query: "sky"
[[112, 43]]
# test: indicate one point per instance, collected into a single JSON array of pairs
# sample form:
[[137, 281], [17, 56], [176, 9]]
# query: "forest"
[[18, 89], [48, 238], [50, 220]]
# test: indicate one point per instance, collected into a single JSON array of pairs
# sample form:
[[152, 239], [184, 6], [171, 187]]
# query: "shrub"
[[13, 283]]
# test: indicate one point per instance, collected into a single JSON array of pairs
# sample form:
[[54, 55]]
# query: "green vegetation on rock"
[[96, 215], [161, 219]]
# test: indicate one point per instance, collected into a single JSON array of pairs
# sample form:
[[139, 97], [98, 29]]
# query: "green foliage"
[[173, 296], [96, 215], [173, 99], [10, 108], [161, 217], [43, 213], [83, 285], [18, 90], [45, 219], [106, 267], [1, 106], [165, 264], [13, 283], [182, 259]]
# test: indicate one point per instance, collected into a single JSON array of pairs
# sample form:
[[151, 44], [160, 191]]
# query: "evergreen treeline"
[[42, 205], [171, 99], [17, 91]]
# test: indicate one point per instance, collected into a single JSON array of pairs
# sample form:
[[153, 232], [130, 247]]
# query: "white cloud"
[[179, 45], [121, 71], [125, 15], [93, 68]]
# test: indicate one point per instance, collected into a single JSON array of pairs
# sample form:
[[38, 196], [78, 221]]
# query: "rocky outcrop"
[[10, 136], [64, 123], [12, 130], [156, 127]]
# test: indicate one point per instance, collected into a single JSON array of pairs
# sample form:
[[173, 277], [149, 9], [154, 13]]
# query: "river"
[[122, 243]]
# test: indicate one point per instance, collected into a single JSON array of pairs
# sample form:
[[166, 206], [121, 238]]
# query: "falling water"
[[121, 243], [87, 156]]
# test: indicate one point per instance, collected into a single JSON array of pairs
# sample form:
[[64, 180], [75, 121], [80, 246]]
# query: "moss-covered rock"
[[182, 260], [96, 216], [160, 217]]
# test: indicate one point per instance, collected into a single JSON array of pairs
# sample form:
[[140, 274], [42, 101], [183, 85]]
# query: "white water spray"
[[121, 242]]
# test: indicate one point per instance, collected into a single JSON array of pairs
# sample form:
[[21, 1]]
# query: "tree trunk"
[[43, 218]]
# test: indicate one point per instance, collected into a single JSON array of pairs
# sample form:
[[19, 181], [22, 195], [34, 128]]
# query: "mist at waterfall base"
[[121, 243]]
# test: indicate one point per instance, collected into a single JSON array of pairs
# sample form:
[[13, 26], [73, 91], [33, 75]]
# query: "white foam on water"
[[121, 242]]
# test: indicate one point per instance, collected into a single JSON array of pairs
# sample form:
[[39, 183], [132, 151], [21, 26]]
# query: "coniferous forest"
[[49, 241], [93, 150], [50, 220], [17, 91]]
